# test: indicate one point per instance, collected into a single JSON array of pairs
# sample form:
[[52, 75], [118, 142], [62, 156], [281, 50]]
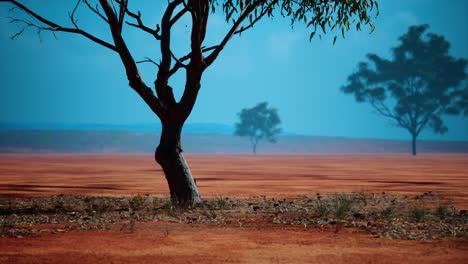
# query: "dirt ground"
[[235, 176], [277, 176], [175, 243]]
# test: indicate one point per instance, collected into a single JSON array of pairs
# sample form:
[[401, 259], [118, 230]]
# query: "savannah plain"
[[252, 181]]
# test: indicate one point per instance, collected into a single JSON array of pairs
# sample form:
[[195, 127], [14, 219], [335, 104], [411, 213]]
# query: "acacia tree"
[[417, 86], [242, 15], [257, 123]]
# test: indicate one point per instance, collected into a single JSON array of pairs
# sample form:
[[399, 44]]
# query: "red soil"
[[176, 243], [231, 175], [237, 175]]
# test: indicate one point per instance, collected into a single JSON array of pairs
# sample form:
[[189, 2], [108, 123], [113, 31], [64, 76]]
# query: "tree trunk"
[[168, 154], [413, 144]]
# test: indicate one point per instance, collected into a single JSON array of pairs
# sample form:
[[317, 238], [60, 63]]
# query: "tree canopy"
[[417, 86], [257, 123]]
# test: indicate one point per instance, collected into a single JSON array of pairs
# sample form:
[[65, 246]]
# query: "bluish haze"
[[73, 80]]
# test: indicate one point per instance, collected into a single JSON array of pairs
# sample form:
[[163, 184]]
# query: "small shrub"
[[155, 203], [419, 214], [321, 208], [59, 204], [98, 204], [388, 212], [103, 205], [165, 204], [37, 206], [221, 203], [342, 206], [170, 207], [137, 203], [374, 199], [362, 197], [442, 210]]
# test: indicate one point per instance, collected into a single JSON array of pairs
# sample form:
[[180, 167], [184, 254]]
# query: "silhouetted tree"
[[417, 86], [241, 14], [462, 100], [257, 123]]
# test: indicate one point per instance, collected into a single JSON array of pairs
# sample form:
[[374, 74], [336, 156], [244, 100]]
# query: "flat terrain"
[[286, 176], [277, 176], [176, 243], [108, 140]]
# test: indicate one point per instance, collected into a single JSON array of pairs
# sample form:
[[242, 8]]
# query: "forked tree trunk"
[[169, 155]]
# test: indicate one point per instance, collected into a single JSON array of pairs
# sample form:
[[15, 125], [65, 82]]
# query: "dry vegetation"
[[422, 217]]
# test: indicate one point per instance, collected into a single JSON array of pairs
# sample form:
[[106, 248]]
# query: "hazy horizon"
[[189, 128]]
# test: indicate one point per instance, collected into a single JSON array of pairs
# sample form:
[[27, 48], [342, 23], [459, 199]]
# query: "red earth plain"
[[276, 176]]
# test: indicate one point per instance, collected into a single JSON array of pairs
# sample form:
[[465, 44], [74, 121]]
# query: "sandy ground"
[[231, 175]]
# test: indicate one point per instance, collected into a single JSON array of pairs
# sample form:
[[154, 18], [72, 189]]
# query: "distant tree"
[[257, 123], [417, 86], [241, 15]]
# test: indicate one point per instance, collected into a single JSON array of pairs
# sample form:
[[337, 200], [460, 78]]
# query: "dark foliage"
[[417, 86], [257, 123]]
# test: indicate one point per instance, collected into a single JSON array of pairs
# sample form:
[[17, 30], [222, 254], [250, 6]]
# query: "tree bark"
[[413, 144], [168, 154]]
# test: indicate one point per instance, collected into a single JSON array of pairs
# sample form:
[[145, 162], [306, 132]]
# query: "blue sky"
[[73, 80]]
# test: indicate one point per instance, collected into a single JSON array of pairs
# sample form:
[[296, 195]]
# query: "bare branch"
[[435, 112], [178, 16], [55, 27], [95, 10], [163, 90], [254, 21], [72, 15], [137, 17], [133, 75], [123, 9], [179, 63], [147, 59], [177, 66], [141, 26], [199, 11], [113, 5], [244, 14], [186, 57], [27, 24], [383, 110]]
